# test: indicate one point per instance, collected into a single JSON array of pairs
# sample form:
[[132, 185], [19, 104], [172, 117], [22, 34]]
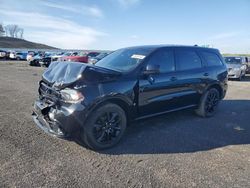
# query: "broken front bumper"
[[60, 121], [44, 122]]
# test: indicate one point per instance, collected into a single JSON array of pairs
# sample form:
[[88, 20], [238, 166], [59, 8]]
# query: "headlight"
[[71, 96]]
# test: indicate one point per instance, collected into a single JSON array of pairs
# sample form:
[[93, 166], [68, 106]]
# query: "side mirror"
[[152, 69]]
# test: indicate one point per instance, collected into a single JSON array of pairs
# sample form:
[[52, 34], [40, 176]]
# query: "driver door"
[[157, 91]]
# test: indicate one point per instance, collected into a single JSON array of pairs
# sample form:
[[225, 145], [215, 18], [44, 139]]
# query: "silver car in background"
[[237, 67]]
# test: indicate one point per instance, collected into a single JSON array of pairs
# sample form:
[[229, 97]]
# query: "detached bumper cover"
[[41, 118], [46, 127], [57, 121]]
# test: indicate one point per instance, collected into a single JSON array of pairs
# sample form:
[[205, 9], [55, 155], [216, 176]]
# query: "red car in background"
[[80, 57]]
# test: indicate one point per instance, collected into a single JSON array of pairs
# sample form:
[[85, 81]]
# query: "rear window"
[[187, 59], [211, 59]]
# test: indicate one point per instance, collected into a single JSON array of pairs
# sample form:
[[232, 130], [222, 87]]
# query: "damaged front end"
[[57, 109], [43, 115], [65, 91], [53, 115]]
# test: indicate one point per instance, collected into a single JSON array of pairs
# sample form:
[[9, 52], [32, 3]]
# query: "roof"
[[172, 45]]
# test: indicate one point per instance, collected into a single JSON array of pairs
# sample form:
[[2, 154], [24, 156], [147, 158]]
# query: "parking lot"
[[174, 150]]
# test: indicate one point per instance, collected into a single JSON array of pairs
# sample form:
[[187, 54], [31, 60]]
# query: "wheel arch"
[[122, 102]]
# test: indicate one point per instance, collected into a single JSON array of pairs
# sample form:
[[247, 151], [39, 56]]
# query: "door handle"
[[173, 78], [206, 74]]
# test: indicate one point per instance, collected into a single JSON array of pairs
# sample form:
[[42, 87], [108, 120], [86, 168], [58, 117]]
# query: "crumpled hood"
[[62, 74]]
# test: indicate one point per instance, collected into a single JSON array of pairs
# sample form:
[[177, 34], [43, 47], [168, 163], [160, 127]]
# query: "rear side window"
[[187, 60], [211, 59], [164, 58]]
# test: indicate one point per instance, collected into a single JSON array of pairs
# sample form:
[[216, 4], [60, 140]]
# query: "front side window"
[[163, 58], [187, 60], [211, 59]]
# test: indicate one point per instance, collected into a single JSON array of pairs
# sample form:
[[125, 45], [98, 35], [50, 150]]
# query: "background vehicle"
[[45, 61], [237, 67], [248, 64], [21, 55], [12, 55], [81, 57], [18, 55], [36, 59], [57, 56], [3, 54], [30, 55], [93, 60], [132, 83]]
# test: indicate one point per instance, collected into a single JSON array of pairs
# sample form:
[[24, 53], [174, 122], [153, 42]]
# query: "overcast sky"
[[112, 24]]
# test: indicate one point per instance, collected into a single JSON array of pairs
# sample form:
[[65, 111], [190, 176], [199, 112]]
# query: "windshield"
[[124, 59], [233, 60]]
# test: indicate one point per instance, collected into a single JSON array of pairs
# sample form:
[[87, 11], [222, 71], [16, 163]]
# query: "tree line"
[[11, 30]]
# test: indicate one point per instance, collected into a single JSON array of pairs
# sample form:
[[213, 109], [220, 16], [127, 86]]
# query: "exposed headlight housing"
[[71, 96]]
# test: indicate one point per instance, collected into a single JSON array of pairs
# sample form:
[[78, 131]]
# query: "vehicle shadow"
[[184, 132]]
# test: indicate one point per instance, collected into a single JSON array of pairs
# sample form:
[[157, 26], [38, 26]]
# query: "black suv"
[[99, 101]]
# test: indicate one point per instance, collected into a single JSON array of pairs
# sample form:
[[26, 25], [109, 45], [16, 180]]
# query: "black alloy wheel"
[[212, 101], [105, 127], [208, 103]]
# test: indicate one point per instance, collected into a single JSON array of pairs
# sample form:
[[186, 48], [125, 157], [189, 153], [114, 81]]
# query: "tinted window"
[[211, 59], [164, 58], [187, 59]]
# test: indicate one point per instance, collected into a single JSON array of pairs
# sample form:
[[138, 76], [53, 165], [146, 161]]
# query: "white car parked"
[[3, 54], [237, 67]]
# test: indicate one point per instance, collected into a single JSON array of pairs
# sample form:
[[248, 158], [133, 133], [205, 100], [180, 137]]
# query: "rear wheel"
[[105, 127], [209, 103]]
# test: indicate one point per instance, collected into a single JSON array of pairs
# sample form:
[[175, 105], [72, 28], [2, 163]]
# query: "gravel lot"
[[173, 150]]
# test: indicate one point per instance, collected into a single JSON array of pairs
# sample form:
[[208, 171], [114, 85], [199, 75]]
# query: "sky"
[[113, 24]]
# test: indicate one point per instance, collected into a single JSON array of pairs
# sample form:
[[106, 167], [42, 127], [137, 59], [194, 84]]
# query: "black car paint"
[[140, 96], [45, 61]]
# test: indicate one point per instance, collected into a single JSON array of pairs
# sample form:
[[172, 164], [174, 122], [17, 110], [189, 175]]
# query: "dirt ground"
[[174, 150]]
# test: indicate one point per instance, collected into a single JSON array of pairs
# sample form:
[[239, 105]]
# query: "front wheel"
[[105, 127], [240, 77], [209, 103]]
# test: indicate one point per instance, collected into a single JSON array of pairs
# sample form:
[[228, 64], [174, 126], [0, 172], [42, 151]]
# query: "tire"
[[18, 59], [240, 78], [105, 127], [208, 103]]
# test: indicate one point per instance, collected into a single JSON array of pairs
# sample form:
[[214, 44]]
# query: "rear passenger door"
[[190, 74]]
